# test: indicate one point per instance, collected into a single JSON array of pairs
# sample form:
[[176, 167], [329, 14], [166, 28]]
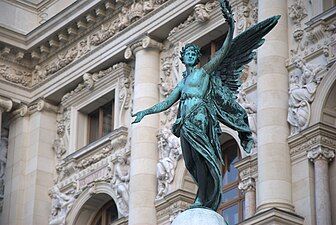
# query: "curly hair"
[[194, 47]]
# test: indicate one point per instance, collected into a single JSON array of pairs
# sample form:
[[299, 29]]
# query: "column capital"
[[21, 111], [247, 184], [42, 105], [5, 104], [144, 43], [320, 152]]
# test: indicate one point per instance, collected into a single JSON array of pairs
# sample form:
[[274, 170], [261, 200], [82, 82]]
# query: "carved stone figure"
[[61, 205], [251, 110], [201, 13], [301, 94], [148, 6], [61, 143], [297, 12], [207, 97], [123, 18], [120, 183], [170, 150], [3, 160]]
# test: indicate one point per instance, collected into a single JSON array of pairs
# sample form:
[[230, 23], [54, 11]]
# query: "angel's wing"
[[242, 52]]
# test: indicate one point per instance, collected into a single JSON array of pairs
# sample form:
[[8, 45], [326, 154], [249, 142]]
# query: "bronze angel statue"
[[208, 96]]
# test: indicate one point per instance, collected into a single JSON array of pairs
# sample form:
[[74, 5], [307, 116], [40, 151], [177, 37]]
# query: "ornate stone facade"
[[93, 52]]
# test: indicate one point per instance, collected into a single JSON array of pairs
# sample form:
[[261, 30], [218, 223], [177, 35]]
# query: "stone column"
[[274, 168], [144, 153], [248, 188], [321, 156]]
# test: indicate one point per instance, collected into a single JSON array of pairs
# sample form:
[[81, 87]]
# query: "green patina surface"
[[207, 97]]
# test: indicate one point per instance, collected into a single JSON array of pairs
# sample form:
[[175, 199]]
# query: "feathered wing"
[[242, 52], [226, 80]]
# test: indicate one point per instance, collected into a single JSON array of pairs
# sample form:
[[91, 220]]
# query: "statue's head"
[[190, 54]]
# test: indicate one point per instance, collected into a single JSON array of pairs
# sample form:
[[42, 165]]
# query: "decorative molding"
[[302, 90], [320, 152], [200, 14], [90, 81], [15, 75], [70, 50], [317, 38], [318, 135], [91, 157], [248, 172]]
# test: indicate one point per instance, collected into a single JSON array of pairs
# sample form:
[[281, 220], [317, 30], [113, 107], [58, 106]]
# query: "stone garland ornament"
[[208, 96], [302, 88], [61, 143]]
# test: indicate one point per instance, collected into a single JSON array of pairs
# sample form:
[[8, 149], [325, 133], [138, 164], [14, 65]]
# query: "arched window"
[[106, 215], [232, 203]]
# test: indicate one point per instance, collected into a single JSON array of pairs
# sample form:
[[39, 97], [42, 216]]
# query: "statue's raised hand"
[[139, 115], [227, 11]]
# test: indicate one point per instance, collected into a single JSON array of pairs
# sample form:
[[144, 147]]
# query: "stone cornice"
[[314, 137], [94, 82]]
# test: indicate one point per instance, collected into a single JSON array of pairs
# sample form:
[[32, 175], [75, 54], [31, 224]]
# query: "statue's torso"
[[194, 88]]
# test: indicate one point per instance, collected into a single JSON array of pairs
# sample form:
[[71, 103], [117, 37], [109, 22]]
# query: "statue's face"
[[190, 57]]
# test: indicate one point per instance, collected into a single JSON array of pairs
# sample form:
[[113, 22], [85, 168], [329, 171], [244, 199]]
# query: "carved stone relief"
[[90, 80], [16, 76], [169, 145], [297, 12], [251, 110], [246, 14], [120, 182], [200, 14], [303, 84], [3, 160], [318, 36], [61, 143], [61, 204]]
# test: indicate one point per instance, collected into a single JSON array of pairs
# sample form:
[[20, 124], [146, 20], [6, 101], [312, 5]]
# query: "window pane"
[[231, 215], [107, 118], [231, 156], [230, 195], [94, 126]]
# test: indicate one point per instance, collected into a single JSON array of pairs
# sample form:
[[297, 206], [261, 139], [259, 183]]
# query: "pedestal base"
[[274, 217], [199, 216]]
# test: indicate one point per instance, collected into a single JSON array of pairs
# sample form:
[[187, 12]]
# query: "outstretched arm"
[[161, 106], [222, 52]]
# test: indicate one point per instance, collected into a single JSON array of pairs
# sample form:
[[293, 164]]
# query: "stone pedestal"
[[199, 216]]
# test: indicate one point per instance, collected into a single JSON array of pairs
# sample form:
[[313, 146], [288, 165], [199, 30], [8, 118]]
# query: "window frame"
[[240, 199]]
